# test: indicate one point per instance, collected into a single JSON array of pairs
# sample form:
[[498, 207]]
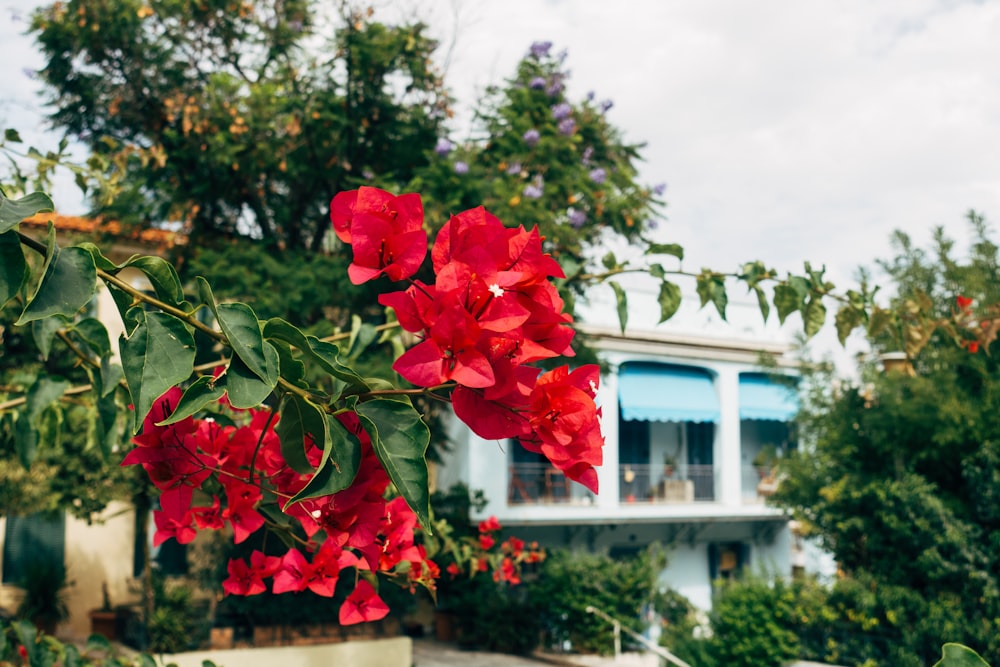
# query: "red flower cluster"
[[491, 312], [506, 562], [361, 529]]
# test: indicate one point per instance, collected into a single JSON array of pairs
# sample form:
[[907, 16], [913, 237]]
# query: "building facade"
[[692, 425]]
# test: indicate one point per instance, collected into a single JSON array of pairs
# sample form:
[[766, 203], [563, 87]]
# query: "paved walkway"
[[430, 653]]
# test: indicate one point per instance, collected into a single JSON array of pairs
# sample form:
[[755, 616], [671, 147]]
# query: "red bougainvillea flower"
[[174, 518], [294, 573], [490, 525], [362, 605], [168, 453], [566, 423], [385, 231], [243, 579], [963, 302]]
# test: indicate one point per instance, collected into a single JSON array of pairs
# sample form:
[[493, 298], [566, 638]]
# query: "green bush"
[[751, 623], [569, 582]]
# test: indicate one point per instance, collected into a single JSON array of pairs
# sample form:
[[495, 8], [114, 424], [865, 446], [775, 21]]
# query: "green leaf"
[[12, 135], [290, 367], [621, 302], [240, 325], [362, 335], [672, 249], [323, 353], [787, 300], [13, 211], [200, 393], [813, 316], [302, 424], [107, 420], [156, 355], [162, 276], [246, 389], [43, 393], [670, 300], [878, 321], [609, 261], [68, 283], [43, 330], [13, 268], [765, 307], [657, 271], [342, 458], [711, 288], [957, 655], [846, 320], [100, 260], [94, 335], [400, 437], [26, 441]]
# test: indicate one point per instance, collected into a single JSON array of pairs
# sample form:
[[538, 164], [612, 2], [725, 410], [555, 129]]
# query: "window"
[[30, 539], [726, 560]]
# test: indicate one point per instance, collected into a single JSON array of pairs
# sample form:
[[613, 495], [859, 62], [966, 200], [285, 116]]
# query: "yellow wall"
[[97, 553]]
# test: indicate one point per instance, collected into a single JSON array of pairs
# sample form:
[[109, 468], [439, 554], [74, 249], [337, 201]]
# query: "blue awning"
[[658, 392], [761, 397]]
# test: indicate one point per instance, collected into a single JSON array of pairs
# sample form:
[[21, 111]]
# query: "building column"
[[728, 460], [607, 474]]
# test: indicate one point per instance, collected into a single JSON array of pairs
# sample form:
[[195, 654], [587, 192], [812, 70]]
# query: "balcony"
[[684, 483], [540, 483]]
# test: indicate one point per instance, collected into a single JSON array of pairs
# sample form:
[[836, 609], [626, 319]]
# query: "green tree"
[[243, 129], [901, 472]]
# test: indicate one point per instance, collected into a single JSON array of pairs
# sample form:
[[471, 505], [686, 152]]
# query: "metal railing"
[[540, 483], [682, 483], [654, 648]]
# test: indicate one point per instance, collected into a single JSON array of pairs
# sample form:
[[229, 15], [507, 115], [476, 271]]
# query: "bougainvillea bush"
[[281, 435]]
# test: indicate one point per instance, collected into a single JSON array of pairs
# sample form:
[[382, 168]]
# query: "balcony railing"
[[683, 483], [538, 483]]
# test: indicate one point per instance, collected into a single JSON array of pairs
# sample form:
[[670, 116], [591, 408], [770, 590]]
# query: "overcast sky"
[[785, 130]]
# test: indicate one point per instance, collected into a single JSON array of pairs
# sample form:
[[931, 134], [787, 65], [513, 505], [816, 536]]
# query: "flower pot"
[[445, 626], [105, 622]]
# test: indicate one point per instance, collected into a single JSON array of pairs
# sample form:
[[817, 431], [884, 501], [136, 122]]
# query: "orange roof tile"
[[72, 223]]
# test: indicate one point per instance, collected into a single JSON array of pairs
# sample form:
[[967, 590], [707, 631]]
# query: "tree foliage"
[[246, 115], [901, 477]]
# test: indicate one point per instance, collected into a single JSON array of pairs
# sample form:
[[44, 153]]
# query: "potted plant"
[[765, 460], [105, 621], [44, 602], [669, 464]]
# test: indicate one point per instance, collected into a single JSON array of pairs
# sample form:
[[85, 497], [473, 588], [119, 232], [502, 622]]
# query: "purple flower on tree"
[[598, 175], [531, 137], [461, 167], [443, 147], [540, 49], [535, 189], [576, 218], [567, 126], [560, 111], [514, 169], [537, 83], [554, 89], [606, 105], [588, 153], [659, 189]]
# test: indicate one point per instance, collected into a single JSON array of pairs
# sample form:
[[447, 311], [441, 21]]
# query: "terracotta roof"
[[79, 224]]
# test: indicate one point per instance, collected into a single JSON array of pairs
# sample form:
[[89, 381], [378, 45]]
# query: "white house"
[[685, 415]]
